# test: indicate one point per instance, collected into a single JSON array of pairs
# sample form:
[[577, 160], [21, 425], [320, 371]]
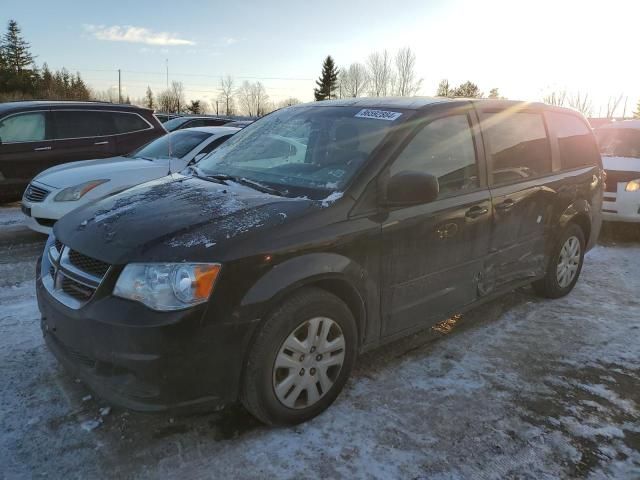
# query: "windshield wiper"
[[248, 183], [196, 172]]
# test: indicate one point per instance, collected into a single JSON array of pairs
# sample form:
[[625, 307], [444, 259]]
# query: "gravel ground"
[[519, 388]]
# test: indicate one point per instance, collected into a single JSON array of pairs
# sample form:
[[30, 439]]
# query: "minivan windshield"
[[304, 150], [172, 145], [619, 142]]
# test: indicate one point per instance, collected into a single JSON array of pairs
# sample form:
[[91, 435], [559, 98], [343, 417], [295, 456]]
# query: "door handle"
[[506, 205], [102, 143], [41, 149], [477, 211]]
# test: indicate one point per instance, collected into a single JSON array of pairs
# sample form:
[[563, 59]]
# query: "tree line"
[[20, 77]]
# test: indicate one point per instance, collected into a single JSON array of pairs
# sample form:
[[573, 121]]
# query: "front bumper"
[[621, 206], [145, 360]]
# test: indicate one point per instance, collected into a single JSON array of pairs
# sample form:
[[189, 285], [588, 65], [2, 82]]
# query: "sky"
[[524, 48]]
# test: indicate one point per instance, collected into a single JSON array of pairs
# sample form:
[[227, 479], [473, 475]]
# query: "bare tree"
[[380, 74], [555, 98], [354, 80], [287, 102], [444, 89], [406, 82], [148, 99], [253, 98], [177, 92], [172, 100], [612, 105], [581, 102], [227, 94]]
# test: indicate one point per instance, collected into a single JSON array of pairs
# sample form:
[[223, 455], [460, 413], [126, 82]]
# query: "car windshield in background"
[[172, 145], [619, 142], [303, 149], [174, 123]]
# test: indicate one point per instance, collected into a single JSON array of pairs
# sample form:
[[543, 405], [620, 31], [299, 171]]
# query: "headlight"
[[167, 286], [76, 193], [633, 186]]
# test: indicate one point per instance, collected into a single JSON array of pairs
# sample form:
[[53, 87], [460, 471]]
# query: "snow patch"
[[331, 198]]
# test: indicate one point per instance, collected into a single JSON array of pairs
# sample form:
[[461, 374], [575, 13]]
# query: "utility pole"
[[217, 107], [119, 87]]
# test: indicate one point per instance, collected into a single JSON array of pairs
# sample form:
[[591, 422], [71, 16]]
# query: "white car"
[[620, 148], [60, 189]]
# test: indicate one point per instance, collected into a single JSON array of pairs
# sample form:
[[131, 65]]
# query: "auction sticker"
[[378, 114]]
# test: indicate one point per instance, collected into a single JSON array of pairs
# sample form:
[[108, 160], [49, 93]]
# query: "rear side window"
[[517, 144], [81, 124], [619, 142], [215, 144], [129, 122], [443, 148], [24, 127], [576, 143]]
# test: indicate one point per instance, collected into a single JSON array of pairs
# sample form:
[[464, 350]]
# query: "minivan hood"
[[623, 164], [74, 173], [174, 218]]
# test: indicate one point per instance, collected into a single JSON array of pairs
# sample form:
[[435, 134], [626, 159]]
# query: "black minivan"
[[36, 135], [314, 234]]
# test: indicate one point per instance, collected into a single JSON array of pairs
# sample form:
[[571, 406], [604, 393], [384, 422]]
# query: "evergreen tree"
[[16, 49], [195, 107], [47, 87], [467, 90], [636, 114], [328, 80], [444, 89], [493, 93], [148, 99]]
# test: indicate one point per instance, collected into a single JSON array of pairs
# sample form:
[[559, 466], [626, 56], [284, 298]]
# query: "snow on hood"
[[73, 173], [182, 213], [625, 164]]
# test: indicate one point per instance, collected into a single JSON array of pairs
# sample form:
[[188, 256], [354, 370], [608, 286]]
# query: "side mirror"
[[411, 188]]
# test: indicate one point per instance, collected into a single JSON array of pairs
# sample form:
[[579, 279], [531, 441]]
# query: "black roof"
[[38, 104], [417, 103]]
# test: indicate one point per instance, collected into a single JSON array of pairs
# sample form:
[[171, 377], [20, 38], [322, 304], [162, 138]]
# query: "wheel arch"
[[579, 213]]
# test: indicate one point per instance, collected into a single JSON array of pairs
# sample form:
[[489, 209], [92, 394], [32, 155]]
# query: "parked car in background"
[[190, 121], [240, 123], [620, 148], [58, 190], [36, 135], [321, 231], [164, 117]]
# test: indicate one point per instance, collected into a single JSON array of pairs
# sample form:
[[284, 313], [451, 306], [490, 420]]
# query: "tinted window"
[[175, 123], [443, 148], [215, 144], [518, 145], [575, 141], [619, 142], [81, 124], [172, 145], [129, 122], [25, 127]]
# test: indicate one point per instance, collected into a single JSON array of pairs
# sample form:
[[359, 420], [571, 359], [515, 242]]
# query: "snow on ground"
[[518, 388]]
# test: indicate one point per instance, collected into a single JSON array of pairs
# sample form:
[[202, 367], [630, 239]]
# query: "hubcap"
[[568, 262], [308, 362]]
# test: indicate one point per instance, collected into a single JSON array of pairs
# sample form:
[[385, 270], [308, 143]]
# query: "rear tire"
[[565, 264], [300, 359]]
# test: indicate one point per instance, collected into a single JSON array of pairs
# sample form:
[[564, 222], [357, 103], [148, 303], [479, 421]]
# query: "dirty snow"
[[331, 198], [519, 388]]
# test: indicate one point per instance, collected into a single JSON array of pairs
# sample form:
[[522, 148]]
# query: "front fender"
[[582, 213], [310, 269]]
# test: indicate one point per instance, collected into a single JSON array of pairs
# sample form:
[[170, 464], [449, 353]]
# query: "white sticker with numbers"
[[378, 114]]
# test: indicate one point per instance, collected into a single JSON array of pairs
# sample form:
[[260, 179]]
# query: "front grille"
[[45, 222], [87, 264], [35, 194], [616, 176], [75, 289], [58, 245]]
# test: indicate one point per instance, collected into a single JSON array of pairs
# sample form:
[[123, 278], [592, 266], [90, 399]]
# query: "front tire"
[[300, 359], [565, 264]]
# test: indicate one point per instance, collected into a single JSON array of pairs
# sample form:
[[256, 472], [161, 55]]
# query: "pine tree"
[[444, 89], [467, 90], [16, 49], [493, 93], [148, 99], [47, 85], [636, 114], [328, 80]]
